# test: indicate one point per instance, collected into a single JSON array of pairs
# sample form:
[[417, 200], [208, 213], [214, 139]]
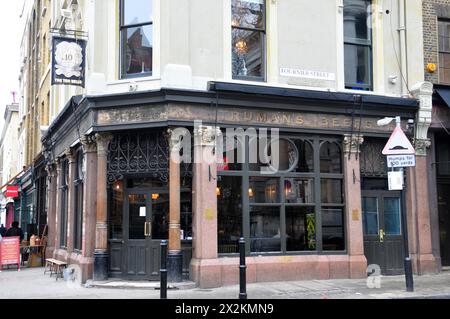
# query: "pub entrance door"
[[383, 240], [145, 224]]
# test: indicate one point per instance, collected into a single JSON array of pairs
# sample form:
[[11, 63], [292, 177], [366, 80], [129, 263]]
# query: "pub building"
[[115, 192]]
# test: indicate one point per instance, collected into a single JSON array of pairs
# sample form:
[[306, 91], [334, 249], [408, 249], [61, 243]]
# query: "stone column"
[[57, 234], [175, 256], [101, 227], [423, 258], [71, 156], [51, 212], [204, 208], [354, 226], [90, 195]]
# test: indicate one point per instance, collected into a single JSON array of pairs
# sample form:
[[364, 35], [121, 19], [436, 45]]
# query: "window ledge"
[[136, 80], [277, 85]]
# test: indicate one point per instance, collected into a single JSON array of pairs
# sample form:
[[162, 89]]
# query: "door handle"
[[145, 229], [382, 234], [148, 229]]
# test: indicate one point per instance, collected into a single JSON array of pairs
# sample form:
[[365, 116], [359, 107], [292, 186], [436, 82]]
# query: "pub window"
[[248, 33], [64, 178], [229, 219], [78, 201], [290, 209], [116, 210], [357, 45], [444, 51], [136, 37]]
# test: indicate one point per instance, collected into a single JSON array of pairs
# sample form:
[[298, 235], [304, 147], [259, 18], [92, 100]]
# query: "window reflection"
[[116, 211], [229, 219], [138, 49], [136, 37], [265, 232], [300, 228], [264, 190], [248, 36], [330, 158], [299, 191], [332, 191], [333, 229]]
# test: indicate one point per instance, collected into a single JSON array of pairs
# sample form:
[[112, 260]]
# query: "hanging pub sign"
[[68, 61]]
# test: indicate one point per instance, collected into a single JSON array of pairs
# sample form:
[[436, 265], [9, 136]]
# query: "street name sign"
[[401, 161]]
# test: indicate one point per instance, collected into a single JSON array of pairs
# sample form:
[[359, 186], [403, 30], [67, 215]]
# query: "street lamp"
[[407, 262]]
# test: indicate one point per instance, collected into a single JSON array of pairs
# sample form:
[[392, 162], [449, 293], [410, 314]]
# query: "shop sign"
[[68, 61], [9, 251], [12, 191]]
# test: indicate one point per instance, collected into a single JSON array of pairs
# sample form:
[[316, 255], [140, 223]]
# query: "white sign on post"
[[401, 161], [395, 180]]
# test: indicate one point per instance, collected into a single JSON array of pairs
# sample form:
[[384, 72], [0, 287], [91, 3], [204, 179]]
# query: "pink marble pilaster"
[[354, 226]]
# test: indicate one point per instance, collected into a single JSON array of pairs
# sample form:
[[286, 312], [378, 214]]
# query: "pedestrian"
[[15, 231], [2, 231]]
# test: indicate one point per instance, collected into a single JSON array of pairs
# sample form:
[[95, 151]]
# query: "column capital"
[[89, 144], [352, 143], [206, 135], [70, 154], [51, 169], [421, 146], [103, 140], [175, 135]]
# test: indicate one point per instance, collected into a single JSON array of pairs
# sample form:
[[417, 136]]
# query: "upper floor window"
[[248, 34], [136, 37], [444, 51], [358, 44]]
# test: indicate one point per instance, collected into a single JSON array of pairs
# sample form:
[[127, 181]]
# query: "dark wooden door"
[[145, 217], [383, 241]]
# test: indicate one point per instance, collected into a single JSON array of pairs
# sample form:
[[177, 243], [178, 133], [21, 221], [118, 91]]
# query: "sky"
[[12, 28]]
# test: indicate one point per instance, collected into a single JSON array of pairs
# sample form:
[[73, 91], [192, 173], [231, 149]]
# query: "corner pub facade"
[[114, 191], [113, 184]]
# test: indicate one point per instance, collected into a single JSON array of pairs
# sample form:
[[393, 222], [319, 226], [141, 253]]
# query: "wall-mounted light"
[[218, 191], [250, 192], [155, 196], [431, 67]]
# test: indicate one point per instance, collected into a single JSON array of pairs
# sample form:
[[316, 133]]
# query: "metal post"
[[242, 270], [163, 270], [407, 263]]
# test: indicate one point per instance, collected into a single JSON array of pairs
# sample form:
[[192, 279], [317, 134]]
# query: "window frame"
[[122, 27], [316, 176], [263, 32], [78, 187], [441, 50], [64, 202], [365, 43]]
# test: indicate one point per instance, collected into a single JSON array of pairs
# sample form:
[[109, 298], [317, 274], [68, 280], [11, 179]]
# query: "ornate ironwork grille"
[[141, 153], [373, 162]]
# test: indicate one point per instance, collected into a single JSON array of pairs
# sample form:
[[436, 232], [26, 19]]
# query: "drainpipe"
[[403, 56]]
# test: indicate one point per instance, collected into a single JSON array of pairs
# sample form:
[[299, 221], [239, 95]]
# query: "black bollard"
[[163, 270], [242, 270]]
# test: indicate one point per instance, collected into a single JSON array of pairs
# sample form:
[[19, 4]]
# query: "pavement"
[[33, 284]]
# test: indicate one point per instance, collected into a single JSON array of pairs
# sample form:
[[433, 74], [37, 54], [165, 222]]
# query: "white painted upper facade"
[[8, 144], [192, 44]]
